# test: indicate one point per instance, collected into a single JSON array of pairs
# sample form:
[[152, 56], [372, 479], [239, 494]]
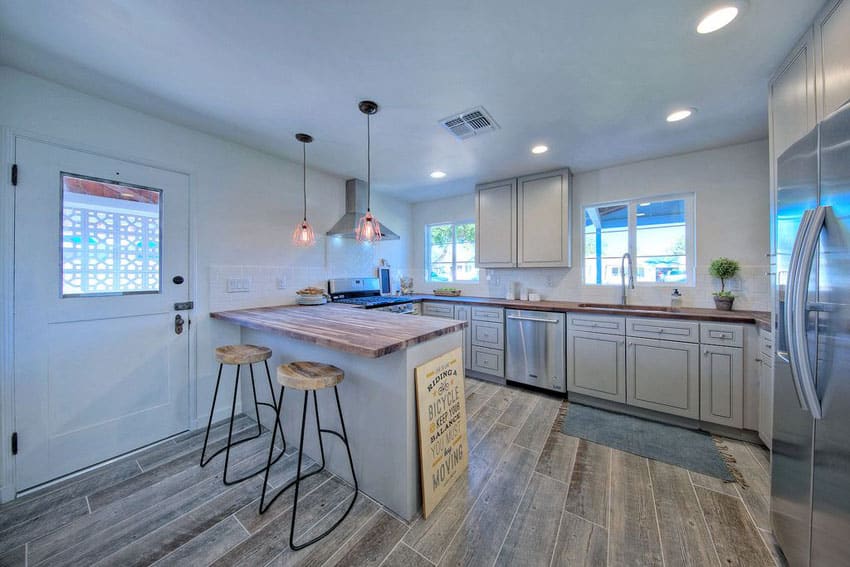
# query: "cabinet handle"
[[758, 360], [705, 352]]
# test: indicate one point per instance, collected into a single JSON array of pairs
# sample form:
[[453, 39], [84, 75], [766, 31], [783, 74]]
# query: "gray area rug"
[[686, 448]]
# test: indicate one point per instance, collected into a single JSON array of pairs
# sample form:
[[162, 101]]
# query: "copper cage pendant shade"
[[368, 228], [303, 234]]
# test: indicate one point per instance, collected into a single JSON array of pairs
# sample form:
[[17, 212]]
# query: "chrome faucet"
[[623, 275]]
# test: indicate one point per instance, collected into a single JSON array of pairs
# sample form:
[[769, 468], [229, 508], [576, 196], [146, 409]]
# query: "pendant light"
[[303, 234], [368, 228]]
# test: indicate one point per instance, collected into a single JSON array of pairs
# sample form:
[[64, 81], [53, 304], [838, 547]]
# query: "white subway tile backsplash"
[[753, 285]]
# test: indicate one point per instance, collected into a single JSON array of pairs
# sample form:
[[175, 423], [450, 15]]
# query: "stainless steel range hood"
[[355, 208]]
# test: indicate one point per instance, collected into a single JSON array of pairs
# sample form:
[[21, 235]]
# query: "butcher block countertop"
[[368, 333], [760, 318]]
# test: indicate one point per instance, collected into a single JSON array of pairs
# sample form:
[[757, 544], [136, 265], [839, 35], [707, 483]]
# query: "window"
[[658, 233], [110, 237], [450, 252]]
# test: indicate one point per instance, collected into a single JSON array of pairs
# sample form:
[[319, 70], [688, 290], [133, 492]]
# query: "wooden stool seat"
[[242, 354], [303, 375]]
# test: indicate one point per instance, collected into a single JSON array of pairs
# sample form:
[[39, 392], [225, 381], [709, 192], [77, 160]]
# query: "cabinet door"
[[462, 313], [792, 97], [495, 224], [832, 29], [543, 220], [722, 386], [765, 367], [663, 376], [596, 365]]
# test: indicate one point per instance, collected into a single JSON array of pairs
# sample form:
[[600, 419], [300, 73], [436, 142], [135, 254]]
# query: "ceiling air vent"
[[472, 122]]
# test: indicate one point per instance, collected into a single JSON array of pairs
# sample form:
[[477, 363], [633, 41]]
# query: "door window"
[[110, 237]]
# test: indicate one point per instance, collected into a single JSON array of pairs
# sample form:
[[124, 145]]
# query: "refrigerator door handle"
[[806, 375], [790, 294]]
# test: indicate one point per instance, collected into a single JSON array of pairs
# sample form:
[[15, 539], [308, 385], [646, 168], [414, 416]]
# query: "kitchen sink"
[[618, 307]]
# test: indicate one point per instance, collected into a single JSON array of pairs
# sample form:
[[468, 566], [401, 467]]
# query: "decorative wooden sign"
[[441, 411]]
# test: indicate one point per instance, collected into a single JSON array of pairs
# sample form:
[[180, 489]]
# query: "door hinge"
[[15, 443], [14, 175]]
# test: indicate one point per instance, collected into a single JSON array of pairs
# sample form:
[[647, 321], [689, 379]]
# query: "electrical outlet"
[[238, 285], [281, 282]]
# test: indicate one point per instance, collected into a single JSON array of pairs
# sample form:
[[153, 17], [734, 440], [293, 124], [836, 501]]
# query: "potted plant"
[[725, 269]]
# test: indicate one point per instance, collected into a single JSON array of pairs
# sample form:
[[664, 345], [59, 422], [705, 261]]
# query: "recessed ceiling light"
[[716, 19], [541, 149], [438, 174], [677, 115]]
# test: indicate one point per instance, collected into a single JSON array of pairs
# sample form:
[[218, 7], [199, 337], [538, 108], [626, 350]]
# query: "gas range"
[[366, 293]]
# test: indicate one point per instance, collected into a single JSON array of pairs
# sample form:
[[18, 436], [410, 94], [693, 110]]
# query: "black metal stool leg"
[[319, 429], [269, 463], [256, 404], [209, 422], [230, 429], [344, 438], [276, 407]]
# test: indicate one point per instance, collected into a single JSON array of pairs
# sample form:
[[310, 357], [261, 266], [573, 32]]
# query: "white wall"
[[732, 219], [245, 204]]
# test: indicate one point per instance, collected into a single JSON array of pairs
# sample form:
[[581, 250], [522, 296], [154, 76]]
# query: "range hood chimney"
[[355, 208]]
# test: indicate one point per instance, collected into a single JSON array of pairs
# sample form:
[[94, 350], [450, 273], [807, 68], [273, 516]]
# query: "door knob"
[[178, 324], [178, 280]]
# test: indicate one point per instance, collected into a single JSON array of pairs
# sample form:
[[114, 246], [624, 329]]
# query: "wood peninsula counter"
[[378, 351]]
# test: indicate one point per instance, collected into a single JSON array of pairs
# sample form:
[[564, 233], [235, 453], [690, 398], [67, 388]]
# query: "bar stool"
[[309, 377], [239, 355]]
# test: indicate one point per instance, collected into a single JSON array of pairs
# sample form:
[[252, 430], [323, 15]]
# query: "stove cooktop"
[[370, 302]]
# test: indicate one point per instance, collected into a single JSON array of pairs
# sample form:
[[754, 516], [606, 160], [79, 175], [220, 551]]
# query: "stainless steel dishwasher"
[[536, 349]]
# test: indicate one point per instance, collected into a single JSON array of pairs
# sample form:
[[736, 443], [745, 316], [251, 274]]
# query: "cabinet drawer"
[[721, 334], [488, 361], [437, 309], [492, 314], [667, 329], [608, 324], [491, 335]]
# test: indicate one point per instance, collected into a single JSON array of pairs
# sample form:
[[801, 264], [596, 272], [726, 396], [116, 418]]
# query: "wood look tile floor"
[[532, 496]]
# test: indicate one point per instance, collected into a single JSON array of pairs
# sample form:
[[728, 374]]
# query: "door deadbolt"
[[178, 324], [178, 280]]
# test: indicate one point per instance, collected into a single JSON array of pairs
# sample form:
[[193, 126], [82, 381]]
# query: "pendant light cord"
[[368, 163], [304, 175]]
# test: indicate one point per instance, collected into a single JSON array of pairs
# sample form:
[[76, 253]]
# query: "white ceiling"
[[593, 80]]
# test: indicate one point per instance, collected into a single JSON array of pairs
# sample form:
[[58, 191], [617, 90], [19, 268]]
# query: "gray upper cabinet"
[[524, 222], [792, 97], [495, 222], [832, 29], [543, 220]]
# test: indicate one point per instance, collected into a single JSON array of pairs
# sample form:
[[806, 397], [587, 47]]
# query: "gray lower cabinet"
[[722, 385], [487, 341], [664, 376], [461, 313], [596, 365], [488, 361]]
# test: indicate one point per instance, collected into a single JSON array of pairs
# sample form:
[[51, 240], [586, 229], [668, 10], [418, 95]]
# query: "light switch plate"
[[281, 282], [238, 285]]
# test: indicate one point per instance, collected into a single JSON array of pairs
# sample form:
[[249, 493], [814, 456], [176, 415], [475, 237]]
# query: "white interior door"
[[99, 367]]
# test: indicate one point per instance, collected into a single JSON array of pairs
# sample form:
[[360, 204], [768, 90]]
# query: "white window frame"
[[454, 250], [690, 237]]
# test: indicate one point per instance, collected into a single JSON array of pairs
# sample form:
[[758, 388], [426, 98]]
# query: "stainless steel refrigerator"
[[810, 476]]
